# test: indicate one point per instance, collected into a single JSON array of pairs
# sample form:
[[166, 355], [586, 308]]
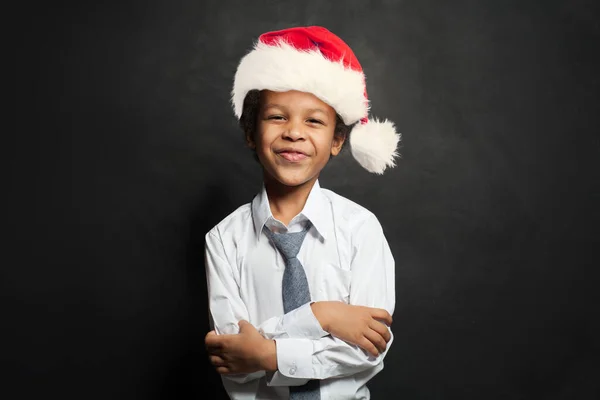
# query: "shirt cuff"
[[294, 362], [302, 323]]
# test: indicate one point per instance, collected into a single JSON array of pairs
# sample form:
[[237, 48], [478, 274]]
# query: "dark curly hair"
[[249, 119]]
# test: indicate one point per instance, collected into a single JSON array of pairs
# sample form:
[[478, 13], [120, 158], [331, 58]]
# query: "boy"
[[301, 280]]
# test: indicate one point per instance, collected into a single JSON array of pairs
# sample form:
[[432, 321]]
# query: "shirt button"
[[292, 371]]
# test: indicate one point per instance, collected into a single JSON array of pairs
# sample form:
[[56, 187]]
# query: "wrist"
[[269, 356], [320, 313]]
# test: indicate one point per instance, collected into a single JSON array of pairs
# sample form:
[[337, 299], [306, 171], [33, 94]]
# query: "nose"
[[293, 131]]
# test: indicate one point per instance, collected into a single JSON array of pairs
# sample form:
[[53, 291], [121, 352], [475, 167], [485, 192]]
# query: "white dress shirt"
[[346, 258]]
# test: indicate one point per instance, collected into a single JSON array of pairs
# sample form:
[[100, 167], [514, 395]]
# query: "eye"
[[276, 117], [315, 121]]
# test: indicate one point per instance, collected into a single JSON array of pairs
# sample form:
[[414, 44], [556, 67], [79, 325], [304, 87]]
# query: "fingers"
[[221, 366], [368, 346], [381, 329], [381, 315], [243, 324], [376, 339], [212, 340], [217, 361]]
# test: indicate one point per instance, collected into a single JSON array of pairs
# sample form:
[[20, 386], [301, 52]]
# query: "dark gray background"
[[125, 152]]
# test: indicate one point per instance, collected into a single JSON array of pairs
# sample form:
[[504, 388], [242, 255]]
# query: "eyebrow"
[[317, 110], [310, 110]]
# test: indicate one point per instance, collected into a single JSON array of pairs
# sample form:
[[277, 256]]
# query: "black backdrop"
[[125, 152]]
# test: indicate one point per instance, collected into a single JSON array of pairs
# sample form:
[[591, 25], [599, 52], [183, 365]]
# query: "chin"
[[291, 179], [293, 182]]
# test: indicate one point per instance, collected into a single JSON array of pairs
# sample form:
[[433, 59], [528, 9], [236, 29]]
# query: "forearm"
[[267, 363], [319, 310], [299, 323], [310, 321], [299, 360]]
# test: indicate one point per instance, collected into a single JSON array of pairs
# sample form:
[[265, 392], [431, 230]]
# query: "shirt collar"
[[316, 210]]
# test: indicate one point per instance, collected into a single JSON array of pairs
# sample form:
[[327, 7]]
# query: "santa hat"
[[314, 60]]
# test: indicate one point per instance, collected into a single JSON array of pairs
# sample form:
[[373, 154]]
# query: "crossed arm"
[[249, 351], [342, 339]]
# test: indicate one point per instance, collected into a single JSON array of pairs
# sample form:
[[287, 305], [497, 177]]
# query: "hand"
[[358, 325], [242, 353]]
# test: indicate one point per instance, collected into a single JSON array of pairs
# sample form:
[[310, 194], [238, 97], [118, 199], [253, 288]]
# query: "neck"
[[287, 201]]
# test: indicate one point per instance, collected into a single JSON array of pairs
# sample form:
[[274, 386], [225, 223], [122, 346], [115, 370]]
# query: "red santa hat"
[[314, 60]]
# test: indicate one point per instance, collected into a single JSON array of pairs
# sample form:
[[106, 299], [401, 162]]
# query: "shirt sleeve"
[[226, 307], [372, 285], [299, 323]]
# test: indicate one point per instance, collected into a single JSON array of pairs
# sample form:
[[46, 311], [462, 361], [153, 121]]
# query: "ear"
[[250, 141], [336, 145]]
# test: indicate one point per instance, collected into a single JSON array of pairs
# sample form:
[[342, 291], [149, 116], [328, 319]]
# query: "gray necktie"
[[295, 292]]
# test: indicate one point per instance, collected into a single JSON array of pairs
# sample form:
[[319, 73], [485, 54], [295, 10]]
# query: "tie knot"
[[288, 244]]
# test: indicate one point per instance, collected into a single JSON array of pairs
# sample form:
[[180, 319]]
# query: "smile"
[[292, 156]]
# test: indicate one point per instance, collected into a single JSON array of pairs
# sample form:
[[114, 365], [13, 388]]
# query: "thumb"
[[210, 338], [244, 325]]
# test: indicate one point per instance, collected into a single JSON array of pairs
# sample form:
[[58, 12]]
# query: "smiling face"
[[294, 137]]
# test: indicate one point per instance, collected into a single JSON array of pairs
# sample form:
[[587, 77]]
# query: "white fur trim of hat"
[[314, 60]]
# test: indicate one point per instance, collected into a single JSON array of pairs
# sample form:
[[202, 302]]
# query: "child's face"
[[295, 136]]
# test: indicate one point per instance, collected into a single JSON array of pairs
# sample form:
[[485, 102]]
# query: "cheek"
[[263, 139], [324, 145]]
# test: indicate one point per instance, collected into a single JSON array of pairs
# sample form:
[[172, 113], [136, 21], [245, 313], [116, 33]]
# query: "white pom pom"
[[374, 145]]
